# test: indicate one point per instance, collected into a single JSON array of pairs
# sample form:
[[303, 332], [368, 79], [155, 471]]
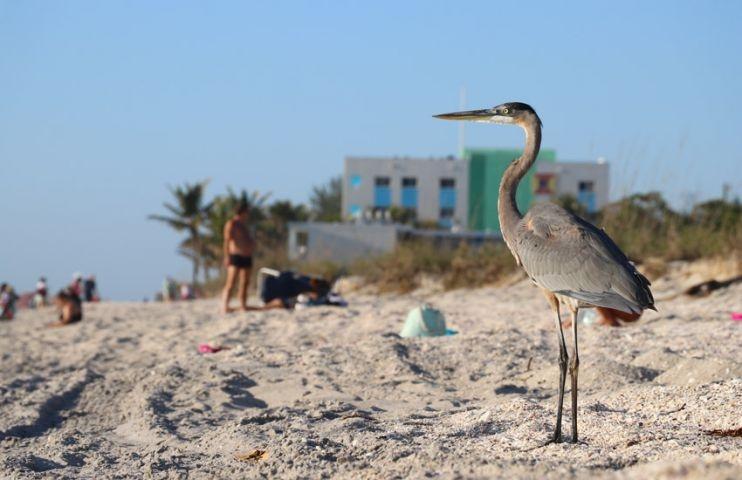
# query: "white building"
[[588, 182], [434, 189]]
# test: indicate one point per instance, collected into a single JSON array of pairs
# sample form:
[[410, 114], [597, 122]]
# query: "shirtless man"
[[238, 251]]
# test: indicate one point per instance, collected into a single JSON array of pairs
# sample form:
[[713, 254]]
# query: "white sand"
[[330, 392]]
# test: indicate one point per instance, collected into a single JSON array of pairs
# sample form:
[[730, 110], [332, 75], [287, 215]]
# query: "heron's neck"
[[507, 209]]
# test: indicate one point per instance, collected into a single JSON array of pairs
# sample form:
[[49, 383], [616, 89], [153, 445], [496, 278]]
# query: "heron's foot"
[[556, 438]]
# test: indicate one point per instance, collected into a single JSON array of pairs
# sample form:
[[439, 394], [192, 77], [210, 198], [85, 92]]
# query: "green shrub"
[[644, 226]]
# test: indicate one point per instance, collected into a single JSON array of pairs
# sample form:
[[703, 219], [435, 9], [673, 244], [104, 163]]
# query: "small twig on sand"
[[253, 456], [528, 367], [358, 415], [681, 407]]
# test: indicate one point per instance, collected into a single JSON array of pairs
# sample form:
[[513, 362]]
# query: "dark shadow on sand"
[[240, 397]]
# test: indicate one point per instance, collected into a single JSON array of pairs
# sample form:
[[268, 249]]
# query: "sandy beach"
[[334, 392]]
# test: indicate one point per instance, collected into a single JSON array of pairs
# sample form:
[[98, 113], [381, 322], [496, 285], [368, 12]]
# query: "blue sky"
[[104, 104]]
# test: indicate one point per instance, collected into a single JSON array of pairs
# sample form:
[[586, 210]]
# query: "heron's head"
[[508, 113]]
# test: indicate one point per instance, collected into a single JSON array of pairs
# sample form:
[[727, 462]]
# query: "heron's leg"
[[574, 367], [562, 366], [563, 358]]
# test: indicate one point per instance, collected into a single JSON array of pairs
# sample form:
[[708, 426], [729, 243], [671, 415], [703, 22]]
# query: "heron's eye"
[[505, 111]]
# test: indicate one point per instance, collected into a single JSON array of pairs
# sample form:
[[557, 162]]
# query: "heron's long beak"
[[487, 115]]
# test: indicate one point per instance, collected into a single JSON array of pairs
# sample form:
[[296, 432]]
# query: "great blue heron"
[[572, 261]]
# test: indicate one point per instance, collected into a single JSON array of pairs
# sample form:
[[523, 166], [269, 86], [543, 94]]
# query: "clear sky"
[[104, 104]]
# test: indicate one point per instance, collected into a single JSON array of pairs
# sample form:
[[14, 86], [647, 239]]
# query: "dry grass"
[[464, 266], [651, 233], [643, 225]]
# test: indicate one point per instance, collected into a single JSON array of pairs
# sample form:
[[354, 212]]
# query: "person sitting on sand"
[[289, 290], [70, 308], [606, 316], [611, 316], [7, 302], [238, 250]]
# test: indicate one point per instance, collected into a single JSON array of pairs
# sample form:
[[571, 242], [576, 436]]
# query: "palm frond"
[[175, 223]]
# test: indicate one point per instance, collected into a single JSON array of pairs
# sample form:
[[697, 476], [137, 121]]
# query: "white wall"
[[341, 242]]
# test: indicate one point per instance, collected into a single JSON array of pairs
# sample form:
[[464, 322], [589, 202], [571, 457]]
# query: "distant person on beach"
[[76, 285], [7, 302], [169, 289], [186, 292], [40, 297], [289, 290], [238, 251], [70, 308], [611, 316], [91, 289]]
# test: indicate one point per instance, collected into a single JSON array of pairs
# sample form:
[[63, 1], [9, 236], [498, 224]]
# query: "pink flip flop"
[[206, 348]]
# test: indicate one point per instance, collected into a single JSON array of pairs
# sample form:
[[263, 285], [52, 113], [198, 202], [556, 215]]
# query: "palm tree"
[[187, 214], [280, 213], [326, 200], [201, 252]]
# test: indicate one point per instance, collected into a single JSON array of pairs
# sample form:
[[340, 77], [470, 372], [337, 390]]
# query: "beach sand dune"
[[330, 392]]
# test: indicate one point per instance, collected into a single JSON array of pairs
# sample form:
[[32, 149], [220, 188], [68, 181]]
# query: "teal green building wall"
[[486, 167]]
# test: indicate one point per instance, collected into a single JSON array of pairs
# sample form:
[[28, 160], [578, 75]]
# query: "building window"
[[447, 202], [302, 243], [382, 193], [445, 217], [302, 239], [447, 196], [586, 195], [409, 193], [355, 211], [446, 212], [382, 181], [544, 183], [355, 182]]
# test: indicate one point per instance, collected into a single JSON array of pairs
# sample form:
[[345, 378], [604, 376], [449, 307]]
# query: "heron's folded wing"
[[574, 259]]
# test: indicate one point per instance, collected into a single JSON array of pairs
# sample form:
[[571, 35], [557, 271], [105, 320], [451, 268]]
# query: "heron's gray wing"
[[567, 255]]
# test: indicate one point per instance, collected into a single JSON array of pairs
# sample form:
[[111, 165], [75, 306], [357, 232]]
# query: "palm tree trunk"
[[194, 273], [196, 254], [207, 272]]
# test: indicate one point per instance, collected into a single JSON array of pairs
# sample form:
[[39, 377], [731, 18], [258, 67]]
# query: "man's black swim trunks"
[[240, 261]]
